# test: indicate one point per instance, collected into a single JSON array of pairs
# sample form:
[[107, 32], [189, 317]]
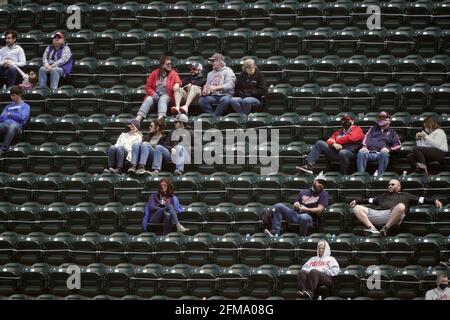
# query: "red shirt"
[[172, 79]]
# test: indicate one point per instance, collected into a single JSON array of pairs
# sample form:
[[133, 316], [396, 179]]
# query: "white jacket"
[[14, 54], [326, 263], [127, 139], [438, 294], [437, 139]]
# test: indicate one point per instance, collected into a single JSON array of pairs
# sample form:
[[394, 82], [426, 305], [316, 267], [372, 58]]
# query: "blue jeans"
[[304, 220], [381, 157], [9, 131], [179, 156], [167, 215], [55, 74], [342, 156], [116, 157], [222, 104], [140, 153], [163, 105], [161, 154], [11, 75], [244, 105]]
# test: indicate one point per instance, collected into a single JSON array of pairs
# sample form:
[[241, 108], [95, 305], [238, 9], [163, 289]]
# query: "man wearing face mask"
[[442, 292], [378, 144], [342, 146]]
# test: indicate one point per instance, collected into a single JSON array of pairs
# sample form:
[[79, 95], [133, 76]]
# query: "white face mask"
[[428, 130]]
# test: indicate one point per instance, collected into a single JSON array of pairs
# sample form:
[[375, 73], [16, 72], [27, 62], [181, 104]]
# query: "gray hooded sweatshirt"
[[326, 263], [224, 77]]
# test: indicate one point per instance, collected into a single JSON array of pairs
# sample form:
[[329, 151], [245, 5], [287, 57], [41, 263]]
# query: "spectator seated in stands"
[[308, 204], [431, 146], [175, 147], [122, 149], [13, 118], [162, 83], [250, 88], [342, 146], [141, 152], [442, 292], [163, 206], [219, 87], [191, 90], [57, 61], [317, 271], [29, 81], [11, 55], [378, 143], [390, 208]]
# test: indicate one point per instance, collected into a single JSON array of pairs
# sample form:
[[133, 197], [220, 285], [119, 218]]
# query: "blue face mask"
[[443, 286]]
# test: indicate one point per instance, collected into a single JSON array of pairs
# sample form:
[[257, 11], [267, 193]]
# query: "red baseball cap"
[[347, 117], [60, 34]]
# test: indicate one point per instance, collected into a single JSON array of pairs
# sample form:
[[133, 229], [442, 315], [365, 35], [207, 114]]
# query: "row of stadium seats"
[[333, 99], [208, 280], [232, 15], [225, 250], [297, 71], [242, 41]]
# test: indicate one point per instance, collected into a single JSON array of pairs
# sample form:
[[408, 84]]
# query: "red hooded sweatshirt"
[[172, 78]]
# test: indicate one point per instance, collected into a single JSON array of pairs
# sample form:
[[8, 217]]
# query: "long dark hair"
[[430, 122], [160, 126], [169, 187]]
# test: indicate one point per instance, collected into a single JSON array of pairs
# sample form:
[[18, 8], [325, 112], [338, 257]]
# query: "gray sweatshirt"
[[436, 139], [225, 77], [438, 294], [14, 54]]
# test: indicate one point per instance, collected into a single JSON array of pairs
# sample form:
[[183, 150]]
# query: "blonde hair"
[[248, 63]]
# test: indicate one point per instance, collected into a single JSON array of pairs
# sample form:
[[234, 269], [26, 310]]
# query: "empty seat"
[[149, 15]]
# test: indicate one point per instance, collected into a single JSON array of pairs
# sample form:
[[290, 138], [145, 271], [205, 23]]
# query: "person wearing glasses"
[[219, 87], [191, 90], [379, 142], [389, 209], [141, 152], [308, 205], [162, 83], [250, 87], [175, 148], [57, 62]]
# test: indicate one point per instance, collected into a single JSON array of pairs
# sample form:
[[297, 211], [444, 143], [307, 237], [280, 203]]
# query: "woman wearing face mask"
[[250, 87], [431, 146], [163, 206], [318, 271], [122, 149], [141, 152]]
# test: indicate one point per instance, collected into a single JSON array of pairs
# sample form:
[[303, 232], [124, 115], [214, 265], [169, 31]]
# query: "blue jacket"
[[19, 114], [154, 205], [377, 139]]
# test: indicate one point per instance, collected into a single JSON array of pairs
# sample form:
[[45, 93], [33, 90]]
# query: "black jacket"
[[254, 86], [388, 200], [198, 80]]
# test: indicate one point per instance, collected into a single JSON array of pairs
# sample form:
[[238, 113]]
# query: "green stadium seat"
[[203, 15], [289, 41], [369, 250], [416, 98], [399, 41], [338, 14], [429, 249], [34, 279], [439, 11], [16, 160], [262, 281], [253, 250], [347, 284], [272, 68], [332, 99], [8, 241], [113, 248], [434, 70], [204, 280], [352, 70], [237, 43], [104, 43], [65, 128], [92, 280], [234, 281], [229, 15], [80, 218], [99, 16], [196, 249], [168, 249], [418, 15], [310, 14], [86, 100], [52, 217], [46, 188], [157, 43], [10, 278], [25, 17], [30, 43], [149, 15], [407, 284], [393, 14], [220, 218], [427, 41], [56, 249], [123, 16], [145, 282], [240, 188], [7, 12], [284, 14], [248, 218], [287, 282], [380, 70], [101, 188], [439, 95], [263, 43], [408, 70], [96, 157], [269, 188], [29, 248], [389, 97], [134, 71], [22, 181], [107, 218], [130, 44], [442, 221], [256, 15], [304, 99], [140, 248], [345, 42], [50, 17], [132, 218], [173, 280], [213, 188], [108, 72], [372, 42], [176, 16], [316, 42], [117, 280], [74, 188], [59, 100], [342, 248], [283, 251], [361, 98], [84, 248], [403, 250], [81, 43]]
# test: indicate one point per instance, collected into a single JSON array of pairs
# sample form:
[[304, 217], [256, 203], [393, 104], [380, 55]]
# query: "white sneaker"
[[267, 232], [372, 230]]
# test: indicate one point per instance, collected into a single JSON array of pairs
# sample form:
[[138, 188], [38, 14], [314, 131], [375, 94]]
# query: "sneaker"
[[301, 294], [384, 231], [184, 110], [106, 171], [154, 173], [177, 173], [308, 168], [372, 230], [140, 169], [117, 171], [423, 168], [174, 110], [132, 169], [308, 294], [268, 233]]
